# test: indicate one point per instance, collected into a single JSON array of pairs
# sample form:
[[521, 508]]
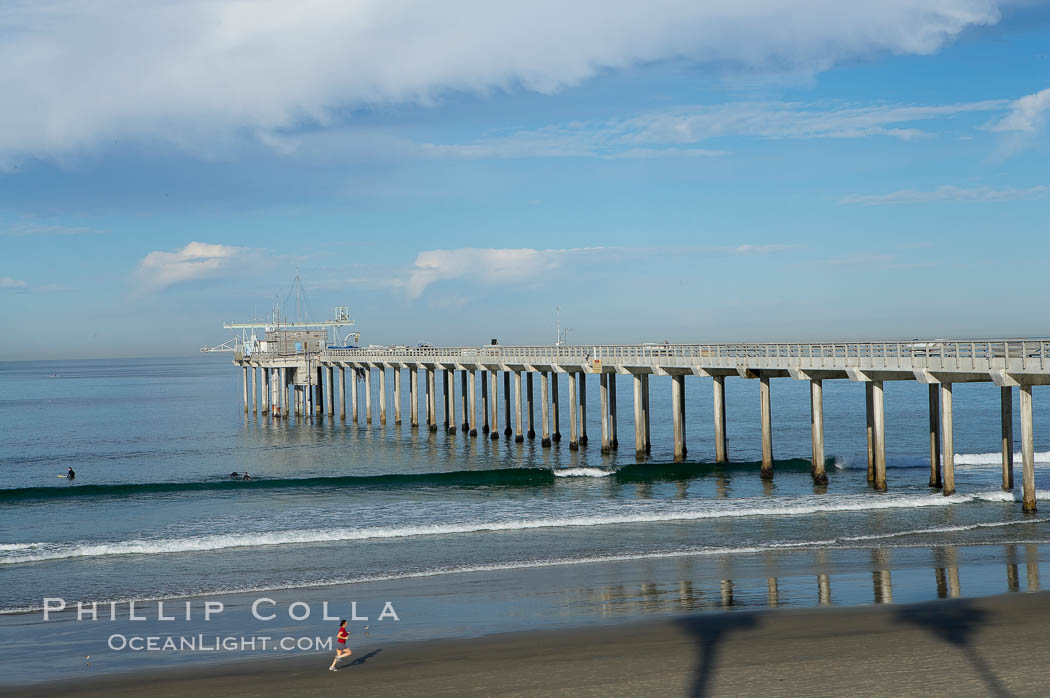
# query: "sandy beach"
[[988, 646]]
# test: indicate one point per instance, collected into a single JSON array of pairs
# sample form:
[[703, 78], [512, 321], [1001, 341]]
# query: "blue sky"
[[757, 170]]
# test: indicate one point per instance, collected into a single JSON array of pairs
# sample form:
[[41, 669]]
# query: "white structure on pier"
[[940, 364]]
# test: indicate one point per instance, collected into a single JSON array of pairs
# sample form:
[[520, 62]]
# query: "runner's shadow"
[[708, 631], [956, 623], [364, 658]]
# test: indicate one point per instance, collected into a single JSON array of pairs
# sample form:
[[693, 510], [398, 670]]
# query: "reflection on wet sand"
[[690, 594]]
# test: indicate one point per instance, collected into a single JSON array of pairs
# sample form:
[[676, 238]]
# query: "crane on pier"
[[278, 324]]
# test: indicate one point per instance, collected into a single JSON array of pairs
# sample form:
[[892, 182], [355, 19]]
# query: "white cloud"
[[197, 260], [663, 134], [946, 193], [1028, 114], [199, 73], [517, 265], [27, 228], [6, 282], [486, 264]]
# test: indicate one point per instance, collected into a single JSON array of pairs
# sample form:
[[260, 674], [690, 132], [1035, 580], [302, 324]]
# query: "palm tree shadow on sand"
[[709, 630], [956, 622]]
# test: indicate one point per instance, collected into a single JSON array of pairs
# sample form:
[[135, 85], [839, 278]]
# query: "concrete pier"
[[721, 443], [1027, 451], [413, 397], [294, 382], [947, 443], [935, 436], [603, 398], [1006, 410], [582, 378], [816, 421], [342, 393], [354, 379], [531, 433], [646, 413], [555, 408], [448, 399], [869, 413], [464, 401], [574, 438], [879, 418], [678, 415], [331, 395], [766, 414], [639, 416], [494, 400], [507, 431], [368, 395], [382, 395], [431, 400], [450, 375], [485, 402], [545, 441], [473, 402], [519, 437]]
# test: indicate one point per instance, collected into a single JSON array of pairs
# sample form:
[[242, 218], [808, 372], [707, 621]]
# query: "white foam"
[[996, 458], [582, 472], [558, 562], [671, 511], [4, 547]]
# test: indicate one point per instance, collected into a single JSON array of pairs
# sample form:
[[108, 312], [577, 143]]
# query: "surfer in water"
[[246, 476], [341, 651], [235, 475], [70, 474]]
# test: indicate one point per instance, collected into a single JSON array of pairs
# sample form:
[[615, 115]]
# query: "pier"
[[301, 375]]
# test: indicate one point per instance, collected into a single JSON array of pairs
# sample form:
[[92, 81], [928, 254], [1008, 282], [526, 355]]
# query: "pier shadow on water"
[[957, 623]]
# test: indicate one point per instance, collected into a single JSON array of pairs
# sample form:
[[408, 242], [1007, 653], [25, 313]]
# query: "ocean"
[[468, 535]]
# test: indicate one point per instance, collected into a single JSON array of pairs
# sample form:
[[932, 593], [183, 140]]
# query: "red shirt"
[[342, 635]]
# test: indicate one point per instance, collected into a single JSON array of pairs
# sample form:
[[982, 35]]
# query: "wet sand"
[[959, 647]]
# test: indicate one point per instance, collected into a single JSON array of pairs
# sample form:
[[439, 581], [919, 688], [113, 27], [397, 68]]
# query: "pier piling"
[[485, 402], [342, 393], [878, 403], [947, 443], [721, 444], [507, 431], [614, 442], [603, 399], [574, 443], [869, 413], [935, 436], [518, 436], [1027, 451], [816, 414], [255, 393], [464, 400], [413, 397], [545, 441], [555, 408], [677, 416], [473, 403], [583, 407], [1006, 410], [639, 419], [493, 385], [397, 395], [531, 433], [767, 427], [382, 394], [368, 395]]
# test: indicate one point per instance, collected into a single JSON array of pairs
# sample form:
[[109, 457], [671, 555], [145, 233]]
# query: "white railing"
[[957, 355]]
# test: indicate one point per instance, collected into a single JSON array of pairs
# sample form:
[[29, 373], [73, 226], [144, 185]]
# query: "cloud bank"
[[197, 260], [198, 73], [946, 193]]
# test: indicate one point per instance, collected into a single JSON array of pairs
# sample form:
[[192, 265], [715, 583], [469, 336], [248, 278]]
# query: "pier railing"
[[976, 355]]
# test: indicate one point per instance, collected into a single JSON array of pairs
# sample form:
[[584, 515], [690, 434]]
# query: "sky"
[[745, 170]]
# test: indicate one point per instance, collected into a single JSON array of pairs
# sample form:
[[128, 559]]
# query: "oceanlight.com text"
[[216, 643]]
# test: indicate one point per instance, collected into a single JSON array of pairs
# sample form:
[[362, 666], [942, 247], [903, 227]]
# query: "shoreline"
[[990, 645]]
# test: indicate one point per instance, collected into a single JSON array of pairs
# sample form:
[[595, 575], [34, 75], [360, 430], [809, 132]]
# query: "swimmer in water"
[[70, 474]]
